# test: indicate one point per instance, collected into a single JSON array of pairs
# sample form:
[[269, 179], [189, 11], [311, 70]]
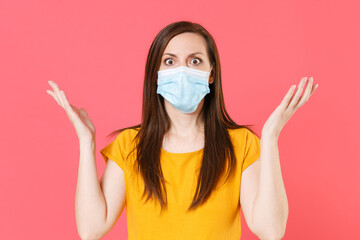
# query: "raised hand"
[[288, 107], [84, 127]]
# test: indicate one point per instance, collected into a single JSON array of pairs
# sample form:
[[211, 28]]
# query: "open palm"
[[83, 125], [288, 107]]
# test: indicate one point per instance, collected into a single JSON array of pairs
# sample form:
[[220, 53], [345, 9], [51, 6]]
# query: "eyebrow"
[[192, 54]]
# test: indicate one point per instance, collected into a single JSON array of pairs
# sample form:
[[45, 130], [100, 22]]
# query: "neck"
[[185, 124]]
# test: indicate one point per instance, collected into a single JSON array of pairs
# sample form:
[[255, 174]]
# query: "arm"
[[269, 211], [90, 205], [97, 204], [270, 207]]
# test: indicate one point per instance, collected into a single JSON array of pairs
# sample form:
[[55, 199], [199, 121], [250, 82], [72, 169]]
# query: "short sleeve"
[[252, 149], [115, 150]]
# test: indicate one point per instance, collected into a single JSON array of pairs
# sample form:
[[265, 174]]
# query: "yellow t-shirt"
[[219, 218]]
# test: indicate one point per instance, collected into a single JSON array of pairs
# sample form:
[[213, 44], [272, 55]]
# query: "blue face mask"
[[183, 87]]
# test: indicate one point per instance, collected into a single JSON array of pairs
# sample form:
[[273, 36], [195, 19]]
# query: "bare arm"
[[270, 207], [97, 204], [90, 203], [265, 200]]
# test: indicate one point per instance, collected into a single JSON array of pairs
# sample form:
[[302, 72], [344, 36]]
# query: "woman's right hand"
[[83, 125]]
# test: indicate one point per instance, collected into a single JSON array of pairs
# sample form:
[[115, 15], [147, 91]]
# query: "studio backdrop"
[[96, 52]]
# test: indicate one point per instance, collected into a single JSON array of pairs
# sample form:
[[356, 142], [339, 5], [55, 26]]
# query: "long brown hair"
[[155, 122]]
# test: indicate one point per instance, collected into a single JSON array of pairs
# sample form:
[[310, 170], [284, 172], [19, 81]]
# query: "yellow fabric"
[[219, 218]]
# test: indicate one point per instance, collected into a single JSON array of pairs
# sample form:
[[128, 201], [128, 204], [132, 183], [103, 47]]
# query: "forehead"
[[186, 43]]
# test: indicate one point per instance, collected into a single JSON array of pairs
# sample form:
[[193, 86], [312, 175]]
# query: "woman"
[[188, 168]]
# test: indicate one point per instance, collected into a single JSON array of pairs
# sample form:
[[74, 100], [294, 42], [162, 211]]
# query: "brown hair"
[[155, 122]]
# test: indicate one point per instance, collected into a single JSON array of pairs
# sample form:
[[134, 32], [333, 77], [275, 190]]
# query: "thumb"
[[83, 112]]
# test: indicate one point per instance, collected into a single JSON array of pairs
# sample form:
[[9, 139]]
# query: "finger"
[[83, 112], [306, 94], [286, 100], [60, 96], [68, 107], [313, 89], [297, 95], [66, 102], [86, 118], [57, 92], [84, 115], [53, 95], [62, 99]]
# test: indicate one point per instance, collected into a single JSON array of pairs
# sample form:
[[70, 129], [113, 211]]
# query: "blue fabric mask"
[[183, 87]]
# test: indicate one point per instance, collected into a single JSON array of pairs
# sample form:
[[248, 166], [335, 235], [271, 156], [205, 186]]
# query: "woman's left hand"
[[288, 107]]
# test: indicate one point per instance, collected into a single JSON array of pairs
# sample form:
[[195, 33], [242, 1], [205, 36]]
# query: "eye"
[[166, 61], [198, 60]]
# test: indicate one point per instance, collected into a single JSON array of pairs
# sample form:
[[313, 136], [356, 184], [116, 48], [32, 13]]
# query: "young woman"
[[188, 168]]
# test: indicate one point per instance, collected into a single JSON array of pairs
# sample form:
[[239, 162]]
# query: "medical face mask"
[[183, 87]]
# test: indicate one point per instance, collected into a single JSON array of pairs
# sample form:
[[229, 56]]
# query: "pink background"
[[96, 52]]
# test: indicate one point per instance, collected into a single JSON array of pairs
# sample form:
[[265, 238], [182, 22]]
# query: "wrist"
[[87, 142], [269, 137]]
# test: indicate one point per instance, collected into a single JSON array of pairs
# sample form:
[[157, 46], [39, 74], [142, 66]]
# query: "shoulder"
[[128, 134], [125, 138], [125, 141], [243, 137], [239, 133]]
